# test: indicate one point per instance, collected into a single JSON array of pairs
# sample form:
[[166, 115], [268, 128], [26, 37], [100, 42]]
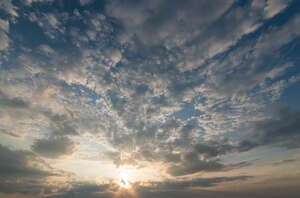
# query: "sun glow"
[[124, 179]]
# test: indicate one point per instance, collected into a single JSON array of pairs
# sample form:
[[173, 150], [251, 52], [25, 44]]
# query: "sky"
[[149, 98]]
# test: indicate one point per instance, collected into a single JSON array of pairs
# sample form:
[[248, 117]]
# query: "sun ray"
[[124, 178]]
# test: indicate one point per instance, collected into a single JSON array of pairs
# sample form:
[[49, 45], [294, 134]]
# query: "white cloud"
[[47, 49], [29, 2], [278, 36], [275, 6], [4, 41], [278, 71], [9, 7], [85, 2], [4, 25]]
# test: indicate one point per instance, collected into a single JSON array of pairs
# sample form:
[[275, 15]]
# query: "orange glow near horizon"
[[124, 178]]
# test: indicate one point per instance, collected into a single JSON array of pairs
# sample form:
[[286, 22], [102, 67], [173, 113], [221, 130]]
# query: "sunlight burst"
[[124, 181]]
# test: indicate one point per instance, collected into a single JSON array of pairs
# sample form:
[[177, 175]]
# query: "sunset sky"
[[149, 98]]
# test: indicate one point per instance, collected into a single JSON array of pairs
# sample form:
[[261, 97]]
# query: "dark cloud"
[[195, 166], [212, 149], [142, 17], [204, 158], [85, 189], [282, 162], [293, 144], [16, 164], [203, 182], [16, 103], [283, 126], [54, 147], [9, 133], [157, 189], [62, 124], [23, 172]]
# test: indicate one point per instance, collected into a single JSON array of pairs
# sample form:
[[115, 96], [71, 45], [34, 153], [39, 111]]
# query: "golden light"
[[124, 178]]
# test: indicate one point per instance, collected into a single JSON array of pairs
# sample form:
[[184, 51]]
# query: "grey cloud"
[[254, 60], [9, 7], [54, 147], [293, 144], [85, 2], [191, 167], [202, 182], [4, 41], [282, 162], [212, 149], [189, 188], [62, 124], [204, 158], [283, 126], [143, 18], [246, 145], [15, 164], [17, 103], [143, 82], [157, 189], [24, 172], [86, 189], [191, 163], [9, 133], [29, 2]]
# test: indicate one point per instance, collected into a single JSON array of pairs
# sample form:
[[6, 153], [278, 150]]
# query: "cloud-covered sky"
[[142, 99]]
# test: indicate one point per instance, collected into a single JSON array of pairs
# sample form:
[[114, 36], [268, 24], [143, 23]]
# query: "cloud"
[[16, 164], [202, 159], [23, 172], [88, 189], [13, 102], [9, 133], [29, 2], [202, 182], [165, 85], [53, 147], [9, 7], [62, 124], [4, 41], [85, 2], [143, 18], [274, 7], [83, 189], [194, 166], [4, 25], [283, 126], [282, 162]]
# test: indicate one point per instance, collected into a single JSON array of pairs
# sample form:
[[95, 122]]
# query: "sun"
[[124, 179], [124, 183]]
